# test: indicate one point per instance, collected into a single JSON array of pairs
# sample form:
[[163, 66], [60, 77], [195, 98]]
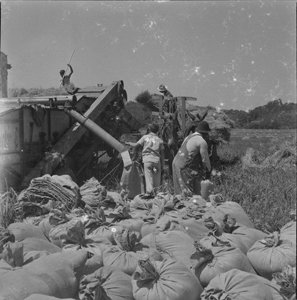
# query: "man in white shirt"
[[152, 157]]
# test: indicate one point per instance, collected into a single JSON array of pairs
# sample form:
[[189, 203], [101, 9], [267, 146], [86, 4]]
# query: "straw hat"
[[162, 88]]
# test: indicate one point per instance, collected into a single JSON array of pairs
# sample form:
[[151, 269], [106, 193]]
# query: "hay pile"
[[218, 121], [283, 158], [139, 111]]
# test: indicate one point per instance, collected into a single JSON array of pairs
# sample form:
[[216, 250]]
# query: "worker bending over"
[[194, 144]]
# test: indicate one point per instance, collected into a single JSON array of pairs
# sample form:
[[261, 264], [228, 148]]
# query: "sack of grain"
[[216, 232], [123, 255], [71, 236], [55, 275], [92, 192], [94, 219], [288, 232], [286, 281], [148, 227], [53, 219], [211, 239], [35, 244], [132, 224], [106, 232], [240, 285], [22, 231], [219, 258], [174, 244], [195, 228], [94, 262], [107, 283], [247, 235], [125, 261], [138, 213], [70, 232], [132, 180], [272, 254], [167, 223], [165, 280], [142, 201], [221, 207], [114, 197], [159, 221]]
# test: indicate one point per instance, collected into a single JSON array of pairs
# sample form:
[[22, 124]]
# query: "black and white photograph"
[[148, 150]]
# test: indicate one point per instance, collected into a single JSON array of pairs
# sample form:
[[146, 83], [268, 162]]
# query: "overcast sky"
[[226, 54]]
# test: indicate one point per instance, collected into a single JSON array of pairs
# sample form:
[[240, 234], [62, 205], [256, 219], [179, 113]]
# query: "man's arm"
[[204, 155], [71, 70], [138, 144]]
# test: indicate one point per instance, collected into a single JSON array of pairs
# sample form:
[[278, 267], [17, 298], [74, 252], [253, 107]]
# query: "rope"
[[110, 172]]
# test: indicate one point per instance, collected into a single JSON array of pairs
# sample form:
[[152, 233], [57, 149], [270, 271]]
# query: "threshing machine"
[[37, 133]]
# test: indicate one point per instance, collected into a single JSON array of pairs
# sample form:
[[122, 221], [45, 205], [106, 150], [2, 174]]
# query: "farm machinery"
[[37, 134]]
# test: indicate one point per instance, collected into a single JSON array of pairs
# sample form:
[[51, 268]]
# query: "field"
[[268, 195]]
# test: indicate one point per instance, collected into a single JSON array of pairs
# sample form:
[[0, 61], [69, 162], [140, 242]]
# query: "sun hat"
[[203, 127], [162, 88]]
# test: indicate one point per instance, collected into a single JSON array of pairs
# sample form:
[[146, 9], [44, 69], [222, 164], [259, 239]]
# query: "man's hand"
[[207, 174]]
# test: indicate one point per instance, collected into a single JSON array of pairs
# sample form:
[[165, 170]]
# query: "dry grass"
[[7, 208], [267, 194]]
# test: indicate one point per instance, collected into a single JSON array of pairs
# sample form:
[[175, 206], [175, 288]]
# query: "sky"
[[227, 54]]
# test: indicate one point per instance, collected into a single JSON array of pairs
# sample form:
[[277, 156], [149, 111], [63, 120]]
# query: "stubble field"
[[267, 194]]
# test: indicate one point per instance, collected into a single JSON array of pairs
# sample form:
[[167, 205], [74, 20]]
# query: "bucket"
[[207, 188]]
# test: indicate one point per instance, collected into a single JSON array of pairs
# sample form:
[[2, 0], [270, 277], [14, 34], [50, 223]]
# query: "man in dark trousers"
[[194, 144], [65, 81]]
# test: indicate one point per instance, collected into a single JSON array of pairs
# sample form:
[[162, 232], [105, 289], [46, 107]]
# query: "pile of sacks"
[[148, 248]]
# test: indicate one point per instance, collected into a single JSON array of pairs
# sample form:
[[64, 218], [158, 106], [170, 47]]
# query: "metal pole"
[[97, 130]]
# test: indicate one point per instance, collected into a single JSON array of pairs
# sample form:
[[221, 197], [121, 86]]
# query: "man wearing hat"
[[163, 90], [169, 105], [194, 144]]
